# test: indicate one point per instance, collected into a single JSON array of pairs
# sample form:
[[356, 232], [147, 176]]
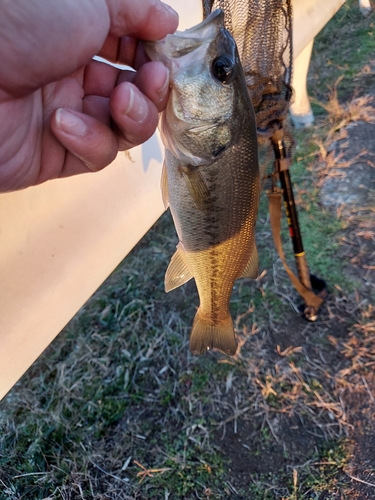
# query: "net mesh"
[[262, 30], [263, 33]]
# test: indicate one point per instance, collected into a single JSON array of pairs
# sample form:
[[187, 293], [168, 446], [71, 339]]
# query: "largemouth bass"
[[210, 177]]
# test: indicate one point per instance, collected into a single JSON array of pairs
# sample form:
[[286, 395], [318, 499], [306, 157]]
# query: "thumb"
[[43, 41]]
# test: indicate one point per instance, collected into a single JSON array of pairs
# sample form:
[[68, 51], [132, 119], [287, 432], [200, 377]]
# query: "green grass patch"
[[343, 47]]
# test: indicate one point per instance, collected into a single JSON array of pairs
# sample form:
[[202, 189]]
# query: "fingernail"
[[70, 123], [169, 9], [162, 92], [137, 109]]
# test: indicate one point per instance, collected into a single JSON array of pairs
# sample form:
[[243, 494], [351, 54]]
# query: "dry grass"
[[359, 108], [333, 163]]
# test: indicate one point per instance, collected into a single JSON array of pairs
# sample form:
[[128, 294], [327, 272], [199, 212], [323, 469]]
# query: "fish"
[[210, 178]]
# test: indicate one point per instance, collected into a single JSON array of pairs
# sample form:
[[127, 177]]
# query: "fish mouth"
[[202, 32], [183, 42]]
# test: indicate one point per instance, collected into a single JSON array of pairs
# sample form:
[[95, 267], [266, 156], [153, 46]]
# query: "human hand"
[[62, 113]]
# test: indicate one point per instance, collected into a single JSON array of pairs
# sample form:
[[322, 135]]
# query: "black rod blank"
[[282, 169]]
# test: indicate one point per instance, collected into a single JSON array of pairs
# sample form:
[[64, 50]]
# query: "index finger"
[[125, 50], [119, 50]]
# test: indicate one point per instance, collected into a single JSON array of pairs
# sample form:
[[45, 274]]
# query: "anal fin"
[[178, 271]]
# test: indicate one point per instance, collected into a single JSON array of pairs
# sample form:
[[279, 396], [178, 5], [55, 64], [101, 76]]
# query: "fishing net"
[[262, 30], [263, 33]]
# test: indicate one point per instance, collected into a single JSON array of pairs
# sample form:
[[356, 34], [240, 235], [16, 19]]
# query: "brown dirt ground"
[[357, 194], [340, 348]]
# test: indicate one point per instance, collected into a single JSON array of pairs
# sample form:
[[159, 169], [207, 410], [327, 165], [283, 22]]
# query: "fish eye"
[[223, 68]]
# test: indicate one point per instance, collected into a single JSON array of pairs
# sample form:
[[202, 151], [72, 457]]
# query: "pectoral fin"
[[251, 269], [164, 186], [196, 187], [178, 272]]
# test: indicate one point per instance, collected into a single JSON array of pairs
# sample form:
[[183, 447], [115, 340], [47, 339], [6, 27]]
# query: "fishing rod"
[[312, 289], [282, 168]]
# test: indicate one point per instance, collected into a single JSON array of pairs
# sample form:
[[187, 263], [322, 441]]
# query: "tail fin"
[[206, 335]]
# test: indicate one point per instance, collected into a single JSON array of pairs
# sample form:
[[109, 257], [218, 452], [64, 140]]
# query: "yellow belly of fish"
[[215, 270]]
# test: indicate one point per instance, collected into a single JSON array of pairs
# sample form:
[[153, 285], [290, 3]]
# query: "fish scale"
[[211, 174]]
